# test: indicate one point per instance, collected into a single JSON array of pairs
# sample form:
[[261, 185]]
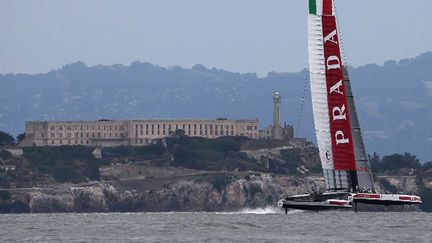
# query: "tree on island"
[[6, 139], [20, 137]]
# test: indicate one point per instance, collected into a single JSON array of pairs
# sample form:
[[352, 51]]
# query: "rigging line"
[[300, 116], [340, 34]]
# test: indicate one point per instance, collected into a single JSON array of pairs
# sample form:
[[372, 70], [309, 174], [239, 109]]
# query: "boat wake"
[[266, 210]]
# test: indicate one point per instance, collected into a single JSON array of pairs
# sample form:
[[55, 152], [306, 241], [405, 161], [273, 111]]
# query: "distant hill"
[[394, 100]]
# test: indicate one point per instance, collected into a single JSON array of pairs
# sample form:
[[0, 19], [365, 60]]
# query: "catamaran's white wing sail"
[[329, 103]]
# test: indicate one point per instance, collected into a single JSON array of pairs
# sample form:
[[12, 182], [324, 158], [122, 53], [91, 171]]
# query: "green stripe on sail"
[[312, 7]]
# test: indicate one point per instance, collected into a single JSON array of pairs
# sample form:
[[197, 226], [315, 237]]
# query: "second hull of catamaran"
[[384, 199]]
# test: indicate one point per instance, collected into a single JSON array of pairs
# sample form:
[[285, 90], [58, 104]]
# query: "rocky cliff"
[[208, 192], [219, 192]]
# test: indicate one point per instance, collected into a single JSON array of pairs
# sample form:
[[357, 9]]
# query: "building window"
[[52, 141], [52, 135]]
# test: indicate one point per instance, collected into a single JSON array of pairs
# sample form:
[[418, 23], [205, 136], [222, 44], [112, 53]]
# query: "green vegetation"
[[4, 154], [6, 139], [5, 195], [20, 137], [395, 164], [135, 153], [4, 201], [210, 154], [66, 163], [292, 160]]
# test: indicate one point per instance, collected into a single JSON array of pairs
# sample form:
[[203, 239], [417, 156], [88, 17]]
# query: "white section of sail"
[[319, 7], [319, 91]]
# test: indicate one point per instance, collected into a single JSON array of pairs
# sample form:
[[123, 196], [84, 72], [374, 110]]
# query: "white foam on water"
[[266, 210]]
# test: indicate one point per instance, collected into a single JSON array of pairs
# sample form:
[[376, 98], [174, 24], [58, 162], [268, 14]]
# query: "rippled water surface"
[[260, 225]]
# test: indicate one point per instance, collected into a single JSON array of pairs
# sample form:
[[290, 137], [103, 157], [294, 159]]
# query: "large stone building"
[[131, 132]]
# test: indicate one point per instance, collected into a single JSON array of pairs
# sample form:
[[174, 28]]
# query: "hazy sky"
[[237, 35]]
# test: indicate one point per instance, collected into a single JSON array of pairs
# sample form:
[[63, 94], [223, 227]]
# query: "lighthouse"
[[277, 129]]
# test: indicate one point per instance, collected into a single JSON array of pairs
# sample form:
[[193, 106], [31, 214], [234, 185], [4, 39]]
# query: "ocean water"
[[257, 225]]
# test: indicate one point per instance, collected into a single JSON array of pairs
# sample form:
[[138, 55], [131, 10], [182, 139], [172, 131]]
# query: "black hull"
[[313, 208]]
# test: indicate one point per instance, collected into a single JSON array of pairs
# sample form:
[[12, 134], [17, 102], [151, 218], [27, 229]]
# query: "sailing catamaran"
[[342, 152]]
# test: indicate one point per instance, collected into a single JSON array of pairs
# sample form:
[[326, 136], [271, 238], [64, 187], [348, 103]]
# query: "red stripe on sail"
[[340, 127], [327, 7]]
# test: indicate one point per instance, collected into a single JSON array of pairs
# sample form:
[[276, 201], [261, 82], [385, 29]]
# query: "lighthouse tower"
[[277, 129]]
